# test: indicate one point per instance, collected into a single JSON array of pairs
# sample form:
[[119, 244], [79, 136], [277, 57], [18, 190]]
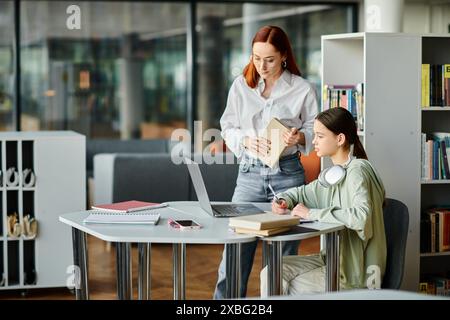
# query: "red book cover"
[[128, 206]]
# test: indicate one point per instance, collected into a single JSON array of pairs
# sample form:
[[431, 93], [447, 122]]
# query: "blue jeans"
[[252, 186]]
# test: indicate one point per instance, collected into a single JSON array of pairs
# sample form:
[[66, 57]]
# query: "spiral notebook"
[[139, 217]]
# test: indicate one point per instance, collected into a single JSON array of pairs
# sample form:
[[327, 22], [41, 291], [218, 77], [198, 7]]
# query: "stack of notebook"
[[265, 224]]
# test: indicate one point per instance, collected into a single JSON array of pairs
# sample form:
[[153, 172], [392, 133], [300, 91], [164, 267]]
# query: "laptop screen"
[[199, 185]]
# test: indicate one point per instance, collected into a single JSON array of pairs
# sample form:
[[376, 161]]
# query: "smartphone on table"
[[184, 224]]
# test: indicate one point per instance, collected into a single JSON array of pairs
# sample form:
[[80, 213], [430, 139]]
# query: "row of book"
[[435, 285], [350, 97], [435, 85], [435, 230], [435, 156]]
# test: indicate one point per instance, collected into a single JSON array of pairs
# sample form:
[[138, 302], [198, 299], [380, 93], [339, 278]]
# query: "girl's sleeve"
[[359, 216], [229, 122], [306, 194]]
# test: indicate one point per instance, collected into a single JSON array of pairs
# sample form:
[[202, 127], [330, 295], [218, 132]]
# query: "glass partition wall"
[[120, 75], [7, 115], [119, 70]]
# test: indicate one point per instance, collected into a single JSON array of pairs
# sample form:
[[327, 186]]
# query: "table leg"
[[274, 267], [144, 274], [179, 271], [332, 258], [124, 276], [264, 257], [233, 270], [80, 260]]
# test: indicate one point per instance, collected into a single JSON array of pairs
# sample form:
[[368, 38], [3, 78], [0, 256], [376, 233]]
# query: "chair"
[[396, 223], [311, 164]]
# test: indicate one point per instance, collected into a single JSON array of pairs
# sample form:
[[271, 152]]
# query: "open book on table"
[[273, 132]]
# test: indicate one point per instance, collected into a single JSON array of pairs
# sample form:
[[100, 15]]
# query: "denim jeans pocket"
[[291, 166]]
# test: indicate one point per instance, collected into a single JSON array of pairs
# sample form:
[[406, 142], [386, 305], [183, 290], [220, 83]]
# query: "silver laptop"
[[217, 210]]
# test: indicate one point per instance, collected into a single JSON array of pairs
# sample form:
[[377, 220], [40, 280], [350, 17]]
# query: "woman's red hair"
[[278, 38]]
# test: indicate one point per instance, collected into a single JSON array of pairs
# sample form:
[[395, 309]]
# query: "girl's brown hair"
[[340, 120], [278, 38]]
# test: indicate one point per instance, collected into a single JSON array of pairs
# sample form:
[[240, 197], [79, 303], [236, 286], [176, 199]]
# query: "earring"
[[284, 64], [12, 173]]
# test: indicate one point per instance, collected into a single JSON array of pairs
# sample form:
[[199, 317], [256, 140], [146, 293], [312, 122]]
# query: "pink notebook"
[[128, 206]]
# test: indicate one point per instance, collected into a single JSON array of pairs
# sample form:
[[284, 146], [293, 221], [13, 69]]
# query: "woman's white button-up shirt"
[[293, 101]]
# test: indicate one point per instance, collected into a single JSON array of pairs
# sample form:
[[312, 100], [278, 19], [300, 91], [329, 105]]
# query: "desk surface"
[[214, 230]]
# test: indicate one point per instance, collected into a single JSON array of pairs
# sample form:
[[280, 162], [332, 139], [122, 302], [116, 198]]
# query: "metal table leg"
[[274, 267], [80, 260], [144, 274], [264, 254], [233, 270], [179, 271], [332, 258], [124, 276]]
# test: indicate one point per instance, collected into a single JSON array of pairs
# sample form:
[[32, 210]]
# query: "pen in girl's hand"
[[277, 200]]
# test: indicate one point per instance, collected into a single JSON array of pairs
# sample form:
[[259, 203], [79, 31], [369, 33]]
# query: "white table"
[[272, 257], [214, 231]]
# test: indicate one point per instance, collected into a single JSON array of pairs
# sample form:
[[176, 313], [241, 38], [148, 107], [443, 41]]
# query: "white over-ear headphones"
[[333, 175]]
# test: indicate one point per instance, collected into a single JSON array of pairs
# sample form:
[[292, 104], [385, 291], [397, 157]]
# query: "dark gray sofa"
[[98, 146], [154, 177]]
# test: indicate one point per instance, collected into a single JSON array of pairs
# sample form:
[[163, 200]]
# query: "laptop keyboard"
[[226, 211], [236, 210]]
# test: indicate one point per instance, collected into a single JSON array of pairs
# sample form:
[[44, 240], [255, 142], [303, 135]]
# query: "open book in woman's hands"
[[273, 132]]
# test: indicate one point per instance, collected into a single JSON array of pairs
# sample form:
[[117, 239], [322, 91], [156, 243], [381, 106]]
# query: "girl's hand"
[[257, 145], [279, 207], [293, 137], [301, 211]]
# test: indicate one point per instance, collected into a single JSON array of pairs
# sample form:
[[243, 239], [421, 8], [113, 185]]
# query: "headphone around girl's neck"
[[333, 175]]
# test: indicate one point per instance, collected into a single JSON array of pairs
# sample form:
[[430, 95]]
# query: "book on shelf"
[[264, 221], [436, 156], [265, 232], [136, 217], [435, 85], [128, 206], [347, 96], [273, 132], [435, 230]]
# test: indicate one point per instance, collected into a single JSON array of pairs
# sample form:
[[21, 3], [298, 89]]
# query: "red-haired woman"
[[271, 86]]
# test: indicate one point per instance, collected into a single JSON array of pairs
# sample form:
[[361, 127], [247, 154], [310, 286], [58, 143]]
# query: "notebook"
[[273, 132], [140, 217], [128, 206], [264, 221]]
